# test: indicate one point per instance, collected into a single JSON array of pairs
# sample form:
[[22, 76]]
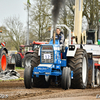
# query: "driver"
[[60, 36]]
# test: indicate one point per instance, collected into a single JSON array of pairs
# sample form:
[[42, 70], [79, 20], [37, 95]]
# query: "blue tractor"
[[67, 65]]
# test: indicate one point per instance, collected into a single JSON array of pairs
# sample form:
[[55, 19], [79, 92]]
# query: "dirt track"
[[16, 90]]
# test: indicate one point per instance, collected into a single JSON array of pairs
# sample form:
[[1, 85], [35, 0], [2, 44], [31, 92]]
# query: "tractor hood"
[[50, 53]]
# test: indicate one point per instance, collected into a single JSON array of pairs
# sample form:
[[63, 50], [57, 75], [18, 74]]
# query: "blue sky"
[[10, 8]]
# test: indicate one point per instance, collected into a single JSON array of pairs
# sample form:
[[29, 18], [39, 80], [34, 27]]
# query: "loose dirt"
[[16, 91]]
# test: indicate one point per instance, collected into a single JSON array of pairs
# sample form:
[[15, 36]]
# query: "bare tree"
[[92, 12], [3, 37], [14, 32], [67, 15], [40, 18]]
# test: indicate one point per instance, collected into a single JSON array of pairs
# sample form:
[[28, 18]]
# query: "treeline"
[[14, 32]]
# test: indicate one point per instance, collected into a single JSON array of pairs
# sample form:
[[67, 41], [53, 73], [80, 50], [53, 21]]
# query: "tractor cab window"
[[35, 46], [27, 49], [90, 37], [30, 48], [89, 42]]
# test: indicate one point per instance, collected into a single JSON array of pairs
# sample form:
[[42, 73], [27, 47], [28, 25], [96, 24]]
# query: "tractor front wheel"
[[66, 78], [28, 77]]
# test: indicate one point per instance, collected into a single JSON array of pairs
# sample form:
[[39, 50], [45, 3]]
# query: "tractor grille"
[[47, 54]]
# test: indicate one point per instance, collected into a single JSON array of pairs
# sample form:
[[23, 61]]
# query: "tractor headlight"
[[71, 47], [47, 73], [36, 72]]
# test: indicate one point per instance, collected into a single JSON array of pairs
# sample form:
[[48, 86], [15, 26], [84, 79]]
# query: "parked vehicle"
[[23, 57]]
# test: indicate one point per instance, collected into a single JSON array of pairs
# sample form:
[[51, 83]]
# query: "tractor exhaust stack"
[[54, 37]]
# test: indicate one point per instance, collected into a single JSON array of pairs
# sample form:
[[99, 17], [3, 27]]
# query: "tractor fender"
[[2, 50], [28, 53], [5, 50], [22, 56]]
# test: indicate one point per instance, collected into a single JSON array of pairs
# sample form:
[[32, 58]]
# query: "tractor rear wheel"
[[28, 77], [27, 60], [66, 78], [3, 61], [19, 61], [38, 81], [79, 66]]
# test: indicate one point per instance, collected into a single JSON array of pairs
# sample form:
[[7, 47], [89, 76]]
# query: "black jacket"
[[60, 37]]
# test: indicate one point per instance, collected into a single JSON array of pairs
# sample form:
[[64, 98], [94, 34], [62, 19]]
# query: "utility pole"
[[27, 35], [78, 20], [65, 14]]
